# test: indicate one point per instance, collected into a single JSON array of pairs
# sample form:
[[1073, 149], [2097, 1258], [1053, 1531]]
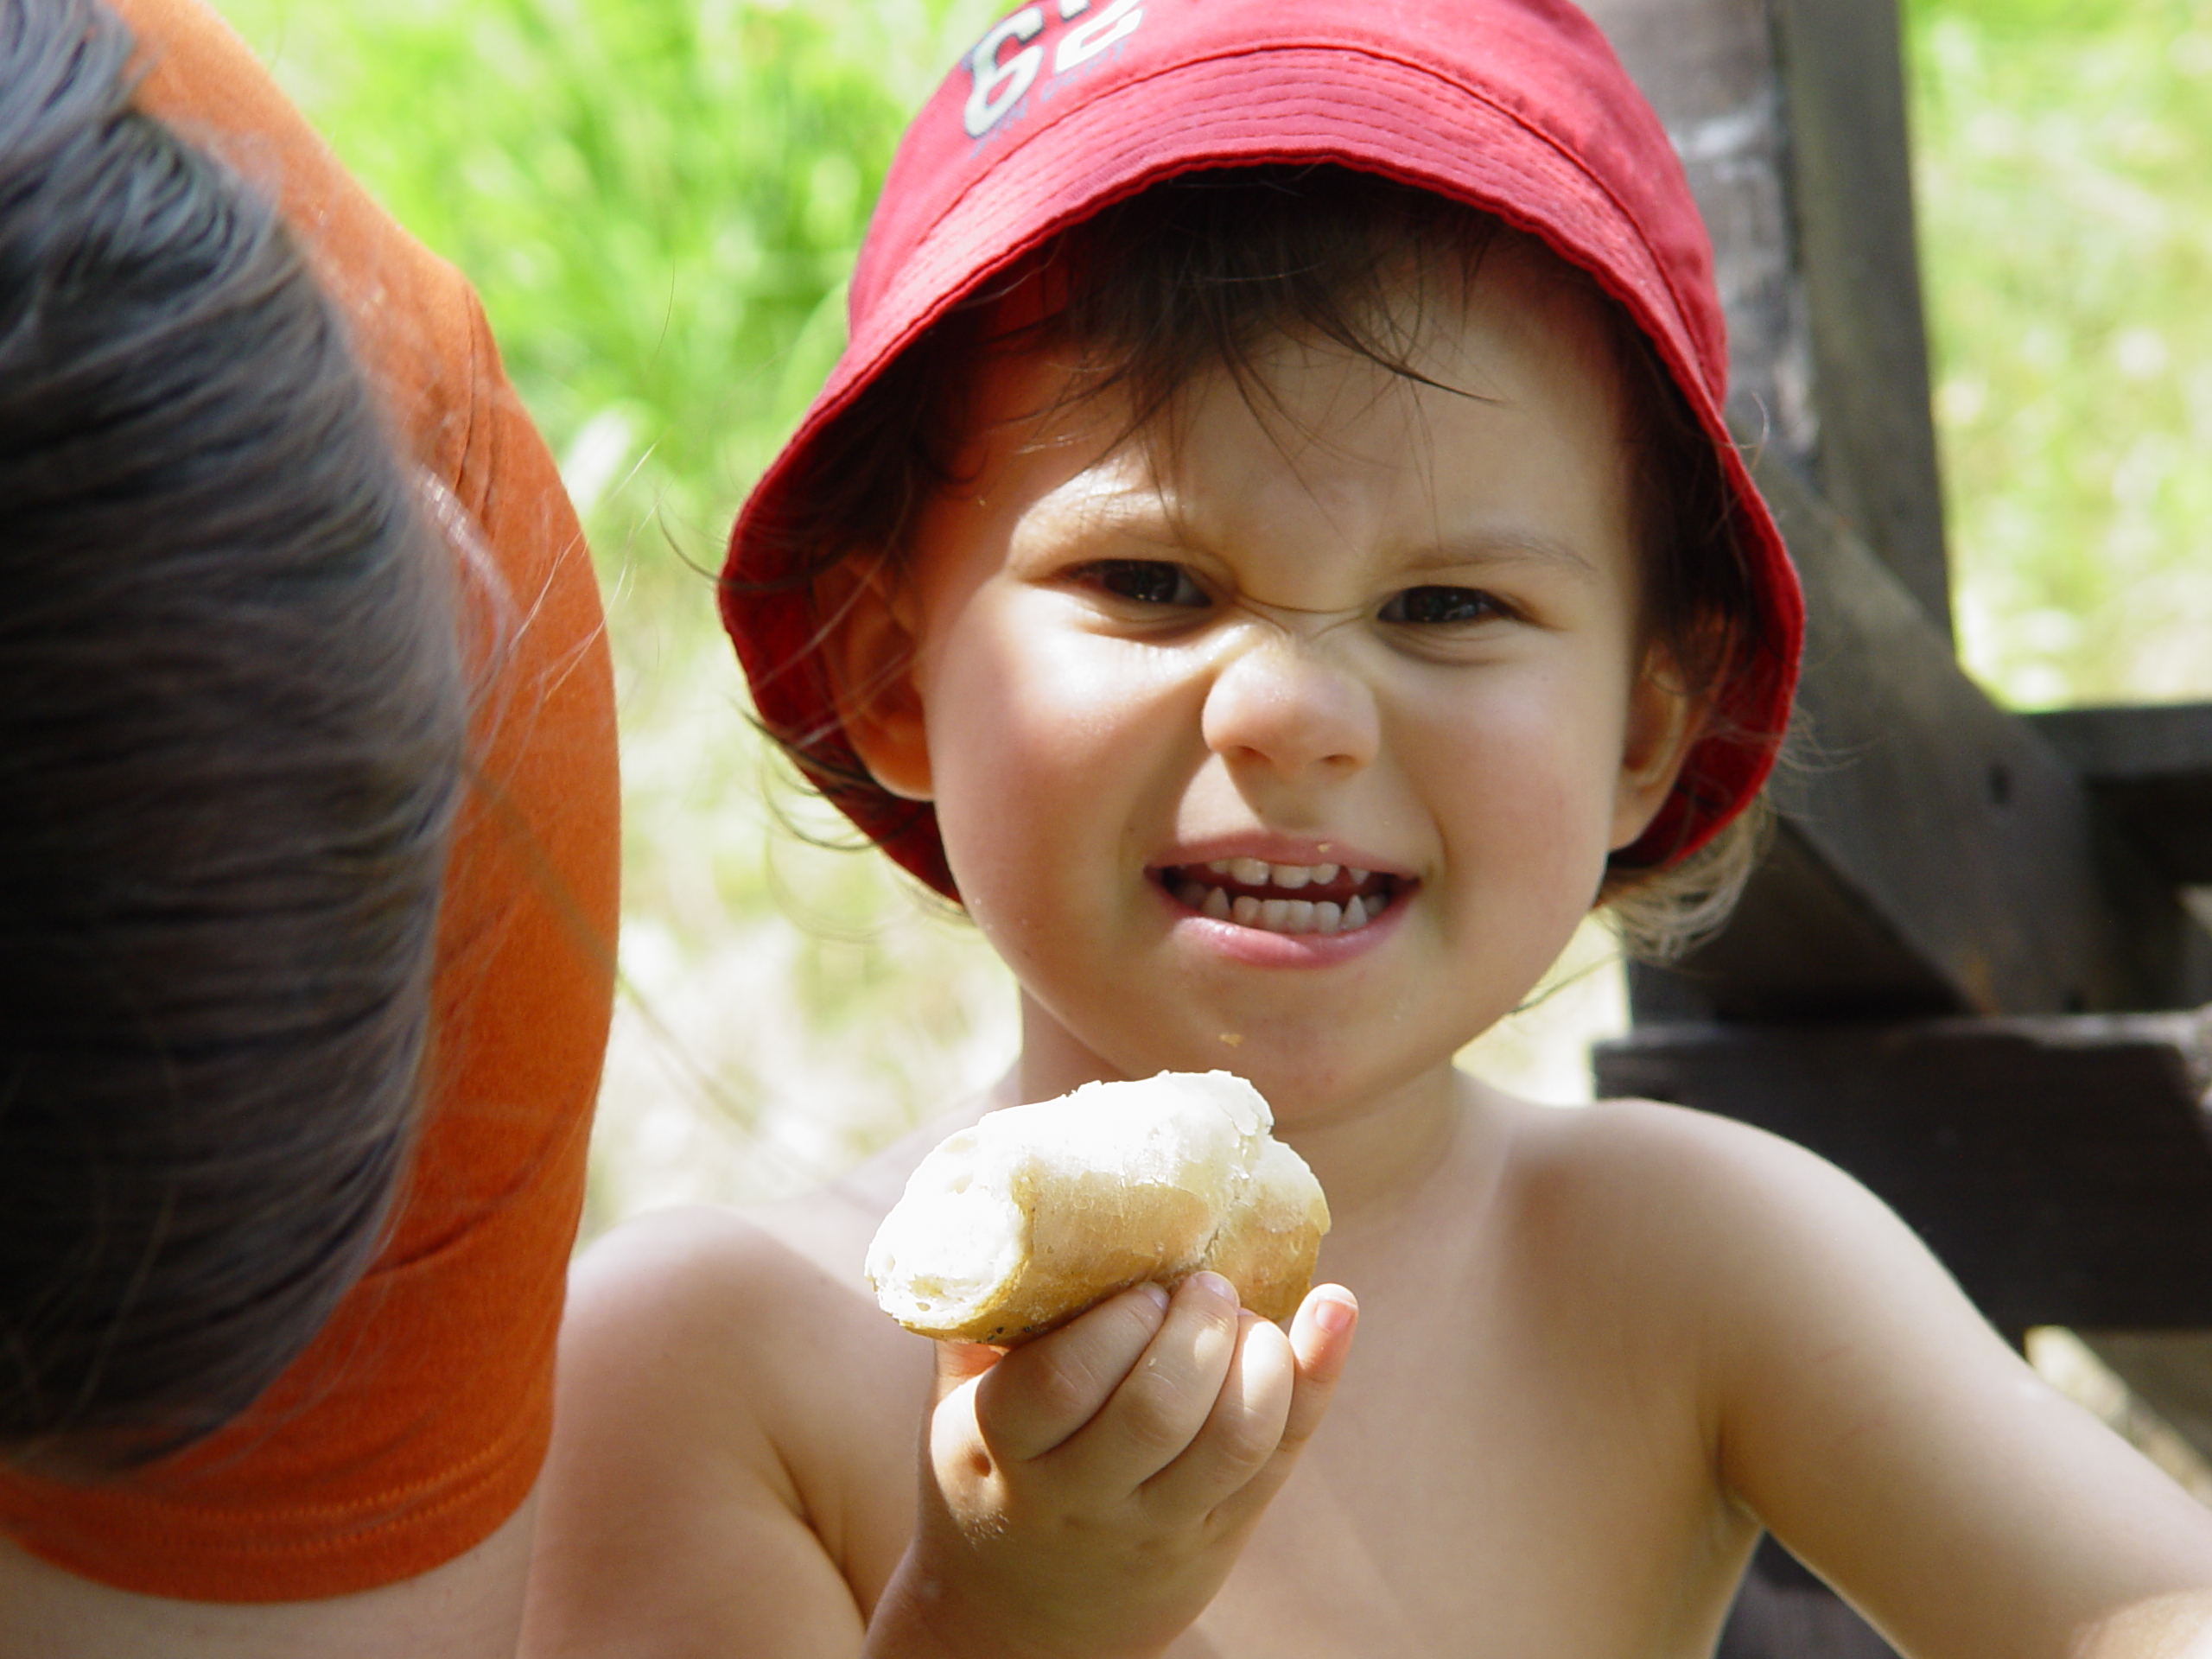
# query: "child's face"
[[1375, 626]]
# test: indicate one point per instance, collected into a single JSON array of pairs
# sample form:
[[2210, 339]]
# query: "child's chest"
[[1517, 1465], [1499, 1476]]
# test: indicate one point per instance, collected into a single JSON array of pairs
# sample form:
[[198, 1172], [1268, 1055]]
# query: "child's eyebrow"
[[1504, 547]]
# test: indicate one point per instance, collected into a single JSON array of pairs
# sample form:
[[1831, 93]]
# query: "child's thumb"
[[959, 1363]]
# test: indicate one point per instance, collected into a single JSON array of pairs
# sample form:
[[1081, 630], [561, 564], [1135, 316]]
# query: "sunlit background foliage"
[[2065, 199], [660, 199]]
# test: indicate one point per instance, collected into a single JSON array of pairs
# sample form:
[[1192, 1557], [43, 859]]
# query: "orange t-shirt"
[[416, 1423]]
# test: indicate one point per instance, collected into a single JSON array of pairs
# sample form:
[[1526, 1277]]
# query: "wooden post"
[[1937, 857], [1851, 199]]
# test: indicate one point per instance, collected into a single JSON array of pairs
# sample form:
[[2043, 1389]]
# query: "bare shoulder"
[[701, 1340], [1859, 1406], [734, 1425], [681, 1332], [727, 1393], [1613, 1136], [710, 1289], [1684, 1182], [1768, 1228], [698, 1292], [1770, 1255]]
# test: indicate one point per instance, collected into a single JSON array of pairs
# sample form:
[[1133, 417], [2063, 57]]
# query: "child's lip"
[[1311, 891], [1275, 927]]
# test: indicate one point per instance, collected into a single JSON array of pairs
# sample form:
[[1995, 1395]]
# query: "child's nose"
[[1282, 704]]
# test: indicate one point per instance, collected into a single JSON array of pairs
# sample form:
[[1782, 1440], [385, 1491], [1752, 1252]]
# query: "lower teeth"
[[1279, 915]]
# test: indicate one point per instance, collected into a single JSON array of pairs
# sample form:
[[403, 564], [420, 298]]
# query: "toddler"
[[1272, 552]]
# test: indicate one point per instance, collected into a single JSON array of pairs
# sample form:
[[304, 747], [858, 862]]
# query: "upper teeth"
[[1257, 873]]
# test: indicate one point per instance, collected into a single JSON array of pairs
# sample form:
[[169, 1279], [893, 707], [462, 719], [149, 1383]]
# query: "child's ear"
[[868, 645], [1664, 721]]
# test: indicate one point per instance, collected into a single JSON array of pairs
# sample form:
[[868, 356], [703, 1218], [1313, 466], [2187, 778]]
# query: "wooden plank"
[[1708, 67], [1789, 120], [2151, 768], [1804, 944], [2059, 1166], [1851, 193], [1936, 854]]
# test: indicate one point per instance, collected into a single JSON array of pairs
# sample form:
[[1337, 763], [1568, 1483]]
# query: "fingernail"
[[1337, 1313], [1157, 1293], [1214, 1285]]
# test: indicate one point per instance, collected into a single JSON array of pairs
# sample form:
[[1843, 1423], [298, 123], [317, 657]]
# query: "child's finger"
[[1320, 1342], [1045, 1391], [1164, 1400], [1241, 1432]]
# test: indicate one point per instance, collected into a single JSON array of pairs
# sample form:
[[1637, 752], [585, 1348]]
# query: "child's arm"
[[1869, 1416], [731, 1470], [1087, 1494]]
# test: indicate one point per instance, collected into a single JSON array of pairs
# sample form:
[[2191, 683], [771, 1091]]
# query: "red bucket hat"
[[1514, 107]]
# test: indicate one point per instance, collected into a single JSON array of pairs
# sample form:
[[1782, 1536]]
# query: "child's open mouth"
[[1282, 897]]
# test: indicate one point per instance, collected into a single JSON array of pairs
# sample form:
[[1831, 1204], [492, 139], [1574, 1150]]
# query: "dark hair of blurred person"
[[231, 733]]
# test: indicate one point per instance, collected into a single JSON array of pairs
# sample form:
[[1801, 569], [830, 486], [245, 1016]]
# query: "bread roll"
[[1019, 1224]]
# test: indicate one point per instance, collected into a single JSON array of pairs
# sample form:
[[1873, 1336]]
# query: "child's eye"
[[1147, 581], [1434, 604]]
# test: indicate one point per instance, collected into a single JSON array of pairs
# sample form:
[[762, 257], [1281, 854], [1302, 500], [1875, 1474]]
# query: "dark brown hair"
[[1200, 273], [231, 736]]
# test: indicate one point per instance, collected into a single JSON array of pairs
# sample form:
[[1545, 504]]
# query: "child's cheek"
[[1528, 803], [1032, 737]]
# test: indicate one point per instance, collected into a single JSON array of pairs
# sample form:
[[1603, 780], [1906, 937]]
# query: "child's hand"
[[1086, 1494]]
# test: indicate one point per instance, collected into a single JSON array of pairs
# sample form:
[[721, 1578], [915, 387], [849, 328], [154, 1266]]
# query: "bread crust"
[[1015, 1226]]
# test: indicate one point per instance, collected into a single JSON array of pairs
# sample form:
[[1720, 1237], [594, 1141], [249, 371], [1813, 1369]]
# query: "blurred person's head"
[[233, 727]]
